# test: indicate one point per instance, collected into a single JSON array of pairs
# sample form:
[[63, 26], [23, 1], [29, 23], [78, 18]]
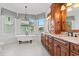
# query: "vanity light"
[[49, 17], [69, 4], [76, 5]]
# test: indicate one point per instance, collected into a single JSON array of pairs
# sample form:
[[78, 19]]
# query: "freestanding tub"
[[25, 38]]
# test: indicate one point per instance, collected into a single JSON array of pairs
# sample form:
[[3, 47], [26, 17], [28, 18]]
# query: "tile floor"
[[25, 49]]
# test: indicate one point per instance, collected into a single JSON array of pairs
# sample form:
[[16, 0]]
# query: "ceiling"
[[32, 8]]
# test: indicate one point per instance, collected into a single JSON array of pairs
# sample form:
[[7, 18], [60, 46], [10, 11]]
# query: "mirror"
[[73, 17]]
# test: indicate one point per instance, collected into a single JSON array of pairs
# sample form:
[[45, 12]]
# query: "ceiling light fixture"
[[26, 19]]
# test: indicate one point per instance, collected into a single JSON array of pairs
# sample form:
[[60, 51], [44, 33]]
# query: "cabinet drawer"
[[62, 43], [73, 54], [74, 48]]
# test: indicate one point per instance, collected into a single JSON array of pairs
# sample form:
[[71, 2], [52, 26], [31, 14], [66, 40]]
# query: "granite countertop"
[[65, 37]]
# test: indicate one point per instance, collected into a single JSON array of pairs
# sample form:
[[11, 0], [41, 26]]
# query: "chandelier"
[[26, 19]]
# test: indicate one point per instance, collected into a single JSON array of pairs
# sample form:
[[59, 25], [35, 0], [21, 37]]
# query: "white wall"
[[8, 37], [17, 26], [46, 26], [0, 21], [4, 36], [46, 22]]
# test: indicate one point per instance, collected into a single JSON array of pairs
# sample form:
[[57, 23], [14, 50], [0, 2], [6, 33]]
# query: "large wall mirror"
[[73, 17]]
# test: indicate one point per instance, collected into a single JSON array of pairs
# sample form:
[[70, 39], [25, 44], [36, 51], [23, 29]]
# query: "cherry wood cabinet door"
[[59, 50], [47, 42], [43, 38], [73, 54], [64, 51], [51, 46], [51, 50], [74, 48]]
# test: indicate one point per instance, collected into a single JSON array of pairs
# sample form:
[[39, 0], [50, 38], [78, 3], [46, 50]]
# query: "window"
[[41, 23], [27, 27], [8, 24]]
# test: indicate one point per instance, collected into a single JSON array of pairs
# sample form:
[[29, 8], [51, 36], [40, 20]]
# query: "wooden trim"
[[75, 30]]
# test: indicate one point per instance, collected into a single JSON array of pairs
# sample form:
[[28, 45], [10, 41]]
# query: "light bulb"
[[69, 4], [63, 7]]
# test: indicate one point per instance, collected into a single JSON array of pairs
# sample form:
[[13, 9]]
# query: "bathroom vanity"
[[60, 45]]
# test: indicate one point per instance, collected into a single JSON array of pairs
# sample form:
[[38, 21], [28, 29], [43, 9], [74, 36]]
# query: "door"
[[73, 54], [47, 42], [59, 50], [64, 51], [51, 47]]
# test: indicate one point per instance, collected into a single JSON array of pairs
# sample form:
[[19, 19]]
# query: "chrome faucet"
[[70, 34]]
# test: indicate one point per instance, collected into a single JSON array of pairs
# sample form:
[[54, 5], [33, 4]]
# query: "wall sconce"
[[49, 17], [69, 4], [63, 7], [76, 5]]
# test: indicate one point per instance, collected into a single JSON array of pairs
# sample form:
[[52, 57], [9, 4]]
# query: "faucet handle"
[[75, 35], [72, 34]]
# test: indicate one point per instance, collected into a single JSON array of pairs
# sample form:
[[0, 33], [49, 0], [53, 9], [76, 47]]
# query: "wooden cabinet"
[[51, 45], [63, 17], [59, 17], [61, 48], [57, 49], [43, 38], [55, 16], [55, 46], [73, 54], [74, 49], [63, 22], [47, 42]]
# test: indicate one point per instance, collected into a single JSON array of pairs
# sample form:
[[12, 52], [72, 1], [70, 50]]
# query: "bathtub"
[[25, 37]]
